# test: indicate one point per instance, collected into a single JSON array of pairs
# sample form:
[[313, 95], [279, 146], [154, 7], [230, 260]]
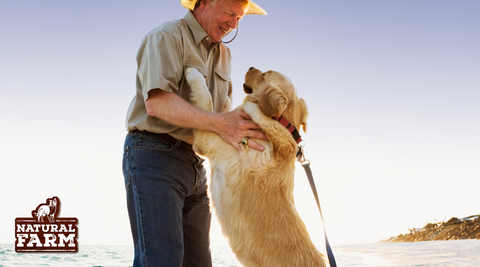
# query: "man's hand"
[[235, 125], [232, 126]]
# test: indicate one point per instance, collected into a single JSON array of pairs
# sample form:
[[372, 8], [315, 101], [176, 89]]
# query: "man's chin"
[[216, 39]]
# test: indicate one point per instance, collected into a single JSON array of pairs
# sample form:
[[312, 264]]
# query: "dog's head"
[[276, 95]]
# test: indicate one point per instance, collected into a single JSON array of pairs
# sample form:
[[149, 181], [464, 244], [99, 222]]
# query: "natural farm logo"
[[45, 232]]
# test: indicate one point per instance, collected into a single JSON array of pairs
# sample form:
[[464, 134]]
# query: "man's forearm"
[[175, 110], [231, 126]]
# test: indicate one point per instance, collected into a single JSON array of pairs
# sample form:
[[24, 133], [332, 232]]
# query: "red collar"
[[290, 128]]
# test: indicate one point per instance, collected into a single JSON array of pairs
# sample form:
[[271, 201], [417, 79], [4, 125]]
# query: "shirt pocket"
[[202, 69], [186, 91], [223, 90]]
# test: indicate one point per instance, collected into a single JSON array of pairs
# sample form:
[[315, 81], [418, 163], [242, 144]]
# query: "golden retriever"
[[252, 191]]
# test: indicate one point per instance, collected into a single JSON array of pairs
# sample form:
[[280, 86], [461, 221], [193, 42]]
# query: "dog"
[[48, 211], [252, 191]]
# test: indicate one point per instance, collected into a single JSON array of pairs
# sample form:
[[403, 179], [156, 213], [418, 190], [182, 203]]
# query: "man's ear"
[[273, 102], [303, 114], [202, 4]]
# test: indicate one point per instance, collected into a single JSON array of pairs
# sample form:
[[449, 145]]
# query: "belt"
[[166, 137]]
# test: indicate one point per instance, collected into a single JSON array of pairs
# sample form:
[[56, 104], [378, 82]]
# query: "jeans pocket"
[[126, 166], [153, 143]]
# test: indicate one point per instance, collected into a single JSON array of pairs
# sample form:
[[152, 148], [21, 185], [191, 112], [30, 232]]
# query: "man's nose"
[[233, 23]]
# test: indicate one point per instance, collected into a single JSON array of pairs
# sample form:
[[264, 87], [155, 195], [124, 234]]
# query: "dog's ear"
[[303, 114], [273, 102]]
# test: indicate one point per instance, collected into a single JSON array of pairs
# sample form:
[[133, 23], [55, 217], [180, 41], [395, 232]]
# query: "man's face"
[[222, 17]]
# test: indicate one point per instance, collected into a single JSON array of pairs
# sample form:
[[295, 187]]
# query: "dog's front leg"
[[208, 144], [200, 96], [279, 136]]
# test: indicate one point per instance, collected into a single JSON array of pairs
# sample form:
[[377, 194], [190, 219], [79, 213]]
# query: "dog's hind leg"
[[200, 95]]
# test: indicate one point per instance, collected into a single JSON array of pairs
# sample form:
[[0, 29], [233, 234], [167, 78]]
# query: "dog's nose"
[[251, 68]]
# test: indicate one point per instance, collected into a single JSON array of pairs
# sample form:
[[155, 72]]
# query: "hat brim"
[[253, 9]]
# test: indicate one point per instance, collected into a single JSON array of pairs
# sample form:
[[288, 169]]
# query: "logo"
[[45, 232]]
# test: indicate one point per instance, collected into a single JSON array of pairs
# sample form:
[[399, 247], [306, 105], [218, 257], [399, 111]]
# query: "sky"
[[392, 87]]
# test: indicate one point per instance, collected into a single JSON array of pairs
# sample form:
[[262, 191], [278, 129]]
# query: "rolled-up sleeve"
[[160, 63]]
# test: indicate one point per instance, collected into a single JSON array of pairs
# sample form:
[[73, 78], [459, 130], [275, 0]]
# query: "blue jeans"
[[167, 202]]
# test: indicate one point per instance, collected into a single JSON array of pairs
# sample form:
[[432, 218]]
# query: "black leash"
[[306, 165]]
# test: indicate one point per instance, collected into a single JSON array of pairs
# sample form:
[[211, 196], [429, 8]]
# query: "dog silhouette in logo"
[[49, 210]]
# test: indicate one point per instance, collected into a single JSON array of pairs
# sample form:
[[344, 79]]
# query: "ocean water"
[[456, 253], [89, 255], [460, 253]]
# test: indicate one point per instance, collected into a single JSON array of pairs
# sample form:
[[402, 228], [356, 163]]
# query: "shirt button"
[[208, 39]]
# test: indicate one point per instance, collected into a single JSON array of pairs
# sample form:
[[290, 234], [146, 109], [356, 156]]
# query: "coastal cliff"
[[453, 229]]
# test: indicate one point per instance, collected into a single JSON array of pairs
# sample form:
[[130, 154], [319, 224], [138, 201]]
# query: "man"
[[164, 178]]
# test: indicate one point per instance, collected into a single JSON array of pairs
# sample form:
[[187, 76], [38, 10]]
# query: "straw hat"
[[253, 9]]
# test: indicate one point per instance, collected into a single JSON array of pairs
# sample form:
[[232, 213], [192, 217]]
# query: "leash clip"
[[301, 156]]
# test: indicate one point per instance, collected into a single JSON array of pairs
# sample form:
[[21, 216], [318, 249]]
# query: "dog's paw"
[[200, 96], [194, 77], [250, 107], [254, 111]]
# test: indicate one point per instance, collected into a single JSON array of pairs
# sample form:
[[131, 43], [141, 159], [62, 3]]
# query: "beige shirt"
[[163, 56]]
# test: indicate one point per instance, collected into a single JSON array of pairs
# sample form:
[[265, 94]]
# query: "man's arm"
[[232, 126]]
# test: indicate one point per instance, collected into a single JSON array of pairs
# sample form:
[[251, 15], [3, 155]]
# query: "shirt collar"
[[198, 32]]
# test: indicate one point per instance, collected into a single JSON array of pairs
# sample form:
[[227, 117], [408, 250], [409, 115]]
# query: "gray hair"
[[197, 4], [213, 2]]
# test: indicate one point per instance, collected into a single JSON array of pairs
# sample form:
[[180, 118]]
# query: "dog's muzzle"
[[247, 89]]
